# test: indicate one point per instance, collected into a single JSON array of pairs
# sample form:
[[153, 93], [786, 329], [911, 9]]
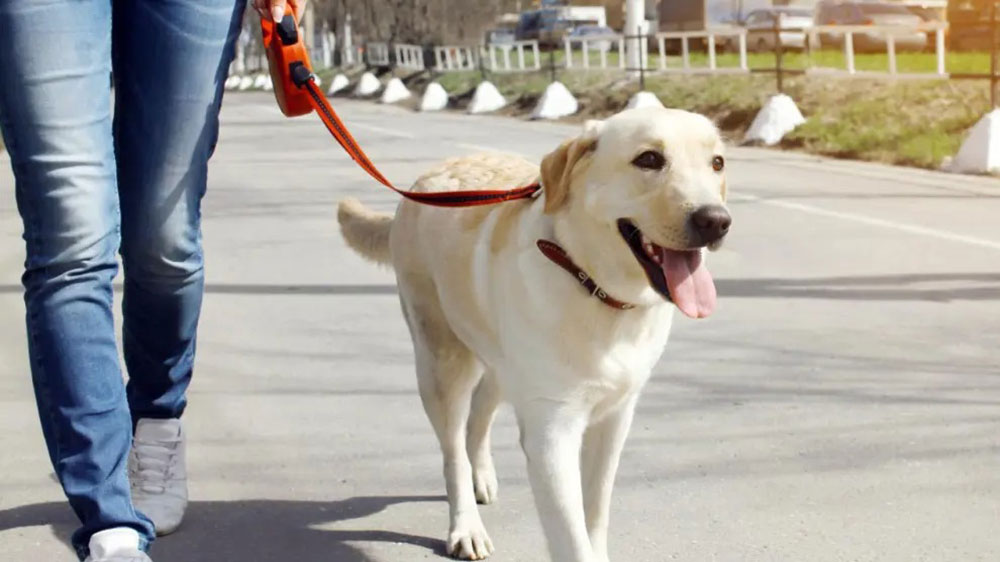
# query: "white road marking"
[[871, 221], [850, 217]]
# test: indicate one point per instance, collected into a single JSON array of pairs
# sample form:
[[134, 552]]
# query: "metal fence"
[[409, 57], [673, 52], [603, 44], [377, 54], [710, 37], [507, 62], [889, 34], [455, 58]]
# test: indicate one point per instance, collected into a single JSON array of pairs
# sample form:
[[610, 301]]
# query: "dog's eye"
[[650, 160], [718, 163]]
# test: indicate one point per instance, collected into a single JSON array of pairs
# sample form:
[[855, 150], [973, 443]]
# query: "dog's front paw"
[[468, 540], [484, 477]]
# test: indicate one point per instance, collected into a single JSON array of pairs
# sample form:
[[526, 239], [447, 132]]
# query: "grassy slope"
[[911, 122]]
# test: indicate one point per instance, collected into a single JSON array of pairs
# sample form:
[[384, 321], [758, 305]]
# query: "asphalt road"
[[842, 405]]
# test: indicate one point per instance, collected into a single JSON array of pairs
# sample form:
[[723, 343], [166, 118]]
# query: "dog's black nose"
[[710, 223]]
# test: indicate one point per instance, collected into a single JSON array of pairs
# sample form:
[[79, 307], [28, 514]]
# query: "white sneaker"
[[120, 544], [157, 473]]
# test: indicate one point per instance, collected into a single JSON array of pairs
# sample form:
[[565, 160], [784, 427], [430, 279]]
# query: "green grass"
[[906, 62], [908, 122], [914, 123]]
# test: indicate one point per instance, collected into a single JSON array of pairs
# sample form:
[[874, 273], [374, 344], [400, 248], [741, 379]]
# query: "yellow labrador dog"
[[560, 305]]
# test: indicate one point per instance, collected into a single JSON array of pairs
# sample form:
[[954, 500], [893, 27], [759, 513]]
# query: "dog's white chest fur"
[[540, 320]]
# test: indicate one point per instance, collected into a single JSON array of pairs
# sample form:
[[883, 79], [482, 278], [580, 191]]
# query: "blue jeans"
[[88, 187]]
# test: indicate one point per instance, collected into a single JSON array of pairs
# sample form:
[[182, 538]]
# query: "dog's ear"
[[557, 169]]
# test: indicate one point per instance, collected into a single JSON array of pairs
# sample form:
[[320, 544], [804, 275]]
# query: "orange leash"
[[297, 94]]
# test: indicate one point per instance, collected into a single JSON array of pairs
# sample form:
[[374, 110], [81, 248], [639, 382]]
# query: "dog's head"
[[640, 196]]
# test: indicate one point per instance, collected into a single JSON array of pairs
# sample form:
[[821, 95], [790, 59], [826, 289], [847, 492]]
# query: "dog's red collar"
[[559, 256]]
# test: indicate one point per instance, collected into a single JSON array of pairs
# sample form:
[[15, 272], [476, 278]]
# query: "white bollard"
[[232, 82], [435, 98], [338, 84], [245, 83], [980, 153], [557, 101], [486, 99], [395, 91], [260, 81], [644, 99], [367, 86], [777, 118]]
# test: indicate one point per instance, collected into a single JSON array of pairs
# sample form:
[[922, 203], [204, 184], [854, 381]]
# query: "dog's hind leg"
[[602, 447], [551, 436], [447, 373], [484, 408]]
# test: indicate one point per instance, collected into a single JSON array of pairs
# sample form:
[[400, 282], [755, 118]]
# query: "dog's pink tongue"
[[690, 283]]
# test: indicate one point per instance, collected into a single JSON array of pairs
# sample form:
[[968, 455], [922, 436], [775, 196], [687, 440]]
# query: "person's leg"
[[55, 62], [170, 60]]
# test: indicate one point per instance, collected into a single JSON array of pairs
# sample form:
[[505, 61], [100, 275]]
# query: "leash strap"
[[559, 256], [303, 78]]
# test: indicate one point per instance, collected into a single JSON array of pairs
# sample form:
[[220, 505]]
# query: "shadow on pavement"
[[910, 287], [252, 530], [257, 289], [971, 286]]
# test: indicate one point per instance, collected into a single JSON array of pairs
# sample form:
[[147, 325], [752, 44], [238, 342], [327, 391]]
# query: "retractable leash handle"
[[297, 94], [288, 59]]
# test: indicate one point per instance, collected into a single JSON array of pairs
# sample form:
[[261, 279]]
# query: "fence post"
[[779, 52], [585, 48], [569, 53], [993, 54], [662, 44], [641, 38], [849, 51], [743, 51], [891, 47], [939, 49], [482, 62], [538, 55], [552, 65], [685, 53], [711, 51]]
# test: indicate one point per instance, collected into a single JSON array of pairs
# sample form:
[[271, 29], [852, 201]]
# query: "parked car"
[[792, 21], [929, 12], [870, 14], [597, 36]]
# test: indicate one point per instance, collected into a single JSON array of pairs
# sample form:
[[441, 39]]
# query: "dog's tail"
[[366, 231]]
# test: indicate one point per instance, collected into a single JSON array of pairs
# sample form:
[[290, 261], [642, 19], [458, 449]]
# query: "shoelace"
[[154, 464]]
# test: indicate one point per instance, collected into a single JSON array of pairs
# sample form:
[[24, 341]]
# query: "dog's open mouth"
[[679, 275]]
